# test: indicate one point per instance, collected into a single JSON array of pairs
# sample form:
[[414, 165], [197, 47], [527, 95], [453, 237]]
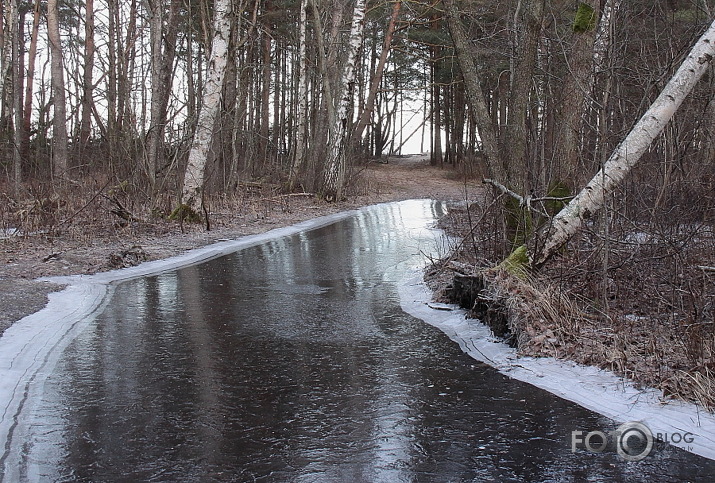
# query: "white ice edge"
[[31, 347], [598, 390]]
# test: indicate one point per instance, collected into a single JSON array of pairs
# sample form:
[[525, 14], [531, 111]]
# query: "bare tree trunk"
[[377, 77], [337, 157], [475, 95], [302, 99], [163, 51], [87, 83], [154, 136], [16, 95], [198, 155], [8, 17], [569, 220], [576, 86], [27, 109], [528, 30], [59, 140]]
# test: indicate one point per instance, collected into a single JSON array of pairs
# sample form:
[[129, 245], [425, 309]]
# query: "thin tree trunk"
[[337, 155], [475, 95], [87, 83], [163, 51], [264, 133], [302, 99], [31, 58], [59, 140], [8, 16], [16, 95], [569, 220], [198, 155], [576, 86], [377, 76]]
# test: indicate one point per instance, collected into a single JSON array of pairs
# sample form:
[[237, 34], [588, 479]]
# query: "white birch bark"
[[210, 103], [569, 220], [377, 76], [335, 166], [301, 113]]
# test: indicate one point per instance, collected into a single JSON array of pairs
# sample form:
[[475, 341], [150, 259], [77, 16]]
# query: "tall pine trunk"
[[301, 100], [59, 124]]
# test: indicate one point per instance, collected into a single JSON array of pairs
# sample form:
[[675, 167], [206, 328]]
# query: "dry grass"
[[650, 317]]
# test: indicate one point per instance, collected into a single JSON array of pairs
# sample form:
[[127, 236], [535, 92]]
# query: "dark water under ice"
[[292, 361]]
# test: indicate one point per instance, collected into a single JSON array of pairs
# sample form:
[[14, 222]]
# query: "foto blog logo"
[[632, 441]]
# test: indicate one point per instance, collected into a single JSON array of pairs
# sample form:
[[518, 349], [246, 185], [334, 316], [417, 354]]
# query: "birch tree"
[[377, 77], [591, 198], [337, 157], [59, 123], [191, 192]]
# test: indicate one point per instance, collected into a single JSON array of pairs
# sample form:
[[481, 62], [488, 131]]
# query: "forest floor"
[[95, 240]]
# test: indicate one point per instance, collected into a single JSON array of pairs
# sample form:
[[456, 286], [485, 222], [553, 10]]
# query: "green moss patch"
[[585, 19], [185, 213]]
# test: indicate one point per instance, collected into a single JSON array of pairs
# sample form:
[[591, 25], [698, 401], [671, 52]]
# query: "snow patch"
[[595, 389]]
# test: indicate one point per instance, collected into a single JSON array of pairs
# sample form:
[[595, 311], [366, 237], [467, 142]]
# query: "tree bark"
[[301, 99], [87, 83], [377, 77], [528, 30], [27, 108], [475, 95], [16, 94], [198, 155], [163, 51], [59, 124], [569, 220], [337, 157], [576, 86]]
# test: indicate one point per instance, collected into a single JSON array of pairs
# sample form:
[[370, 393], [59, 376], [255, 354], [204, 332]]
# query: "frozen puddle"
[[30, 348], [595, 389]]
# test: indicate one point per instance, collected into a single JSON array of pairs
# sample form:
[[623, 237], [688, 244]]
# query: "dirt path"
[[100, 248]]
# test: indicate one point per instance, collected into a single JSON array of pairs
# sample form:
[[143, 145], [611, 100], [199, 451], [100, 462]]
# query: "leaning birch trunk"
[[569, 220], [194, 177], [335, 167]]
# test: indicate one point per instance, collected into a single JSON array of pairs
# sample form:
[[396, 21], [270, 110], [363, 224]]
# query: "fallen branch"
[[523, 201]]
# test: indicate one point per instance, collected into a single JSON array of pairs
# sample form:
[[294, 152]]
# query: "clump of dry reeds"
[[542, 320]]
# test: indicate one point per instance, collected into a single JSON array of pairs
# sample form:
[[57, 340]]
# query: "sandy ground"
[[25, 258]]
